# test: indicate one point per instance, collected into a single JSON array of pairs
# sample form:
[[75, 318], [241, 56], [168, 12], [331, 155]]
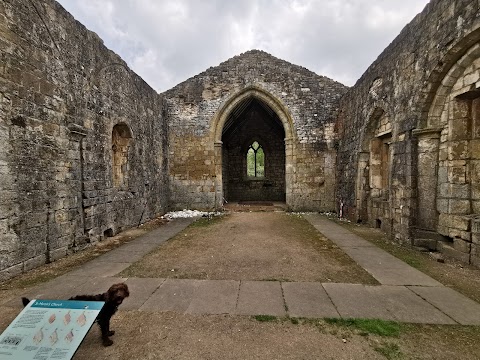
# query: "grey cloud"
[[169, 41]]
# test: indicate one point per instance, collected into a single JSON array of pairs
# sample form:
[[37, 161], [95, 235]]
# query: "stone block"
[[10, 272], [58, 253], [462, 245], [475, 149], [9, 242], [457, 174], [442, 175], [460, 222], [475, 224], [476, 239], [35, 262], [442, 205], [459, 130], [449, 251], [459, 207], [458, 150], [36, 219]]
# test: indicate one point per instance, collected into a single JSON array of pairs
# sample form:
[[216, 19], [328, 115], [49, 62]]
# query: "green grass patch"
[[369, 326], [206, 221], [390, 350], [265, 318], [412, 261]]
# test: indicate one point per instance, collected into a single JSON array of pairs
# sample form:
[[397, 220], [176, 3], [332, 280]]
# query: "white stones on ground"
[[189, 214]]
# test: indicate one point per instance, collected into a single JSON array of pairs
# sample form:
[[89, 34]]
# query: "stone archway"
[[254, 99], [449, 158], [373, 175]]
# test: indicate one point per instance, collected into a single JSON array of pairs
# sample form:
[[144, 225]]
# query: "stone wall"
[[418, 83], [306, 103], [61, 94]]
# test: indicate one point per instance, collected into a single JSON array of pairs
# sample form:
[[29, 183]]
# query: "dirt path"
[[257, 246], [251, 246]]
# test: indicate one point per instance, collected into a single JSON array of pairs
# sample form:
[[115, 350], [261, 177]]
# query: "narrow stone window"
[[255, 161], [121, 138], [379, 164]]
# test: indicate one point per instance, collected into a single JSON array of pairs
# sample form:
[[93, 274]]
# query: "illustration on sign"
[[49, 329]]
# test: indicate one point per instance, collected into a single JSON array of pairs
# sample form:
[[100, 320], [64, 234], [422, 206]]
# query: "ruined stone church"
[[88, 149]]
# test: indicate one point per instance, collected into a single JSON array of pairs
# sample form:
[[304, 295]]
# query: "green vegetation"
[[207, 221], [255, 161], [369, 326], [265, 318], [390, 350], [413, 261]]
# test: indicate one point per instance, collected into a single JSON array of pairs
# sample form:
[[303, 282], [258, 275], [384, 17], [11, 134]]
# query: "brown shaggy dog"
[[113, 298]]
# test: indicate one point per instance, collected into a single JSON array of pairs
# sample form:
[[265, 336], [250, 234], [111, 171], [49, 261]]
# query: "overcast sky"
[[168, 41]]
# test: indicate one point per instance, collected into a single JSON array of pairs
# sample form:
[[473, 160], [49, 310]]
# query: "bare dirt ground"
[[151, 335], [251, 246], [145, 335]]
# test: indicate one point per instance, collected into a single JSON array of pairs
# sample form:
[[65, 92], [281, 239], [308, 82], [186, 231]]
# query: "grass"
[[265, 318], [413, 261], [369, 326], [383, 328], [390, 350], [207, 221]]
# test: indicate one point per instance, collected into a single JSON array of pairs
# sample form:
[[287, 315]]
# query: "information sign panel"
[[48, 329]]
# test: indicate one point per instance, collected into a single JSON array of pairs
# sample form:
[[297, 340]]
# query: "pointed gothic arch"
[[222, 121]]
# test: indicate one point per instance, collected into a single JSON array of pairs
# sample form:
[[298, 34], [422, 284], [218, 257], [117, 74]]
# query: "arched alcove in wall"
[[449, 154], [374, 164], [121, 139], [253, 115]]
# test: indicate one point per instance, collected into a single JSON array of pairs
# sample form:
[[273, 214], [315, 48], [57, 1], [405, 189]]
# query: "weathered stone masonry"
[[87, 148], [61, 94], [424, 87], [306, 102]]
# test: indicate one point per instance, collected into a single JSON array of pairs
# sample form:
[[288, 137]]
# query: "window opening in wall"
[[379, 164], [255, 161], [108, 233], [121, 137]]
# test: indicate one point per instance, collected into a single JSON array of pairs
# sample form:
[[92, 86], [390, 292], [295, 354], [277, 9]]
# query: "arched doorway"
[[253, 153], [449, 156], [253, 121]]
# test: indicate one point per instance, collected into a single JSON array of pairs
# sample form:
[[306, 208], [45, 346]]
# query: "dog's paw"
[[107, 342], [111, 333]]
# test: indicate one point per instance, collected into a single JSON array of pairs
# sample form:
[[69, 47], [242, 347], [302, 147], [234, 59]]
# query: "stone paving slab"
[[136, 247], [342, 237], [60, 288], [406, 306], [260, 298], [308, 299], [140, 291], [384, 267], [215, 297], [99, 269], [165, 232], [354, 301], [120, 255], [374, 257], [458, 307], [97, 285], [173, 295], [404, 277]]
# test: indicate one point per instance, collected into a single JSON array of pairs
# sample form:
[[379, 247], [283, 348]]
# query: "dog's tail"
[[25, 301]]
